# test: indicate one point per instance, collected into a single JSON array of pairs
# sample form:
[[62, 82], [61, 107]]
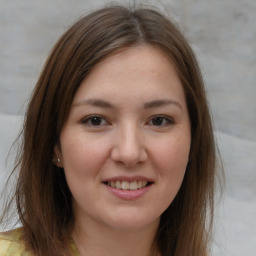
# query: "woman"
[[118, 154]]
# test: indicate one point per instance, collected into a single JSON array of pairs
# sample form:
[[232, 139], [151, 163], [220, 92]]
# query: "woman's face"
[[126, 143]]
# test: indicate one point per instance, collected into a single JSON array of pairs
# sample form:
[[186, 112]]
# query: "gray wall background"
[[222, 33]]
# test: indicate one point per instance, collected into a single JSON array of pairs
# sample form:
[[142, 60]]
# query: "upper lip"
[[129, 179]]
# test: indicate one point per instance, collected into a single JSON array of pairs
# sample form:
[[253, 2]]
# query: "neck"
[[99, 240]]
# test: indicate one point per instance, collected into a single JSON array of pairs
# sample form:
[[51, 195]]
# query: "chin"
[[134, 223]]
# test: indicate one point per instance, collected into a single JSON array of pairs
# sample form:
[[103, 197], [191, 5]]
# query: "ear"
[[57, 156]]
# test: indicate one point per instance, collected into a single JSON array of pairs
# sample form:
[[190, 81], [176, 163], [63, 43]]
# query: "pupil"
[[157, 120], [96, 120]]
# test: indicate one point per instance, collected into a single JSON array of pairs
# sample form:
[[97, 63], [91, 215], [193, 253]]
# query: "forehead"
[[138, 72], [138, 58]]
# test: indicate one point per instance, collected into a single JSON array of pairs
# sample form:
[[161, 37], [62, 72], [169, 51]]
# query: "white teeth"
[[126, 185], [118, 184], [133, 185]]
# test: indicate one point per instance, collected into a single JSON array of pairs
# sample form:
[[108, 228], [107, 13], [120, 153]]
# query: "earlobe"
[[57, 157]]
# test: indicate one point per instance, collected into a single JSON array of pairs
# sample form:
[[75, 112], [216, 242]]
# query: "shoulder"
[[11, 244]]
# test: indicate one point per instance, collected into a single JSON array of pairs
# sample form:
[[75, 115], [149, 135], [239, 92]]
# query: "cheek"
[[82, 161], [81, 155], [171, 160], [171, 157]]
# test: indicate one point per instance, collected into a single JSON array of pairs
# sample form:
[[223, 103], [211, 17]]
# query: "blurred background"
[[223, 35]]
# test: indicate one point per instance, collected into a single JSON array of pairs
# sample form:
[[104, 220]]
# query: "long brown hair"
[[43, 199]]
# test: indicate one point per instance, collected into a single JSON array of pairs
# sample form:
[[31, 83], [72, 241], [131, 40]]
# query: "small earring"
[[56, 162]]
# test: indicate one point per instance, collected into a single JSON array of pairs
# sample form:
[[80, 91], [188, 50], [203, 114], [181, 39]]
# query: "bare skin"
[[128, 126]]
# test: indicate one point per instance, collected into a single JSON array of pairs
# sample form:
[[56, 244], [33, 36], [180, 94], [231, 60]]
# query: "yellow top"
[[11, 244]]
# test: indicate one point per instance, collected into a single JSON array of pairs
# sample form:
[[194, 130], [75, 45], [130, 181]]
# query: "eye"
[[95, 120], [161, 121]]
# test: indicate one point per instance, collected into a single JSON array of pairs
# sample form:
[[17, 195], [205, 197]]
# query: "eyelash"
[[166, 119], [88, 121]]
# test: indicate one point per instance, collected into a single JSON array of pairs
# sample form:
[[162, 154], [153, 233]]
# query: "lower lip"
[[129, 194]]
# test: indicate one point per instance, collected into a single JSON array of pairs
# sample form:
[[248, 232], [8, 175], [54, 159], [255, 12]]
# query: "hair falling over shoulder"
[[42, 197]]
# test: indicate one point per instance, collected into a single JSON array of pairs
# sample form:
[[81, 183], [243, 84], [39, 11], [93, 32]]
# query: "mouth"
[[128, 188], [123, 184], [128, 185]]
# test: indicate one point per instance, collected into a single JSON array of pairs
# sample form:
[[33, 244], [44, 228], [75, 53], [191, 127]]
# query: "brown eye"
[[161, 121], [94, 121], [157, 120]]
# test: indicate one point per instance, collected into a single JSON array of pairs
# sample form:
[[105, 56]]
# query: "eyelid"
[[169, 119], [85, 120]]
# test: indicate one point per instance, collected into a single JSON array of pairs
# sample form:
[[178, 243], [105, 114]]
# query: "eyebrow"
[[160, 103], [104, 104], [94, 102]]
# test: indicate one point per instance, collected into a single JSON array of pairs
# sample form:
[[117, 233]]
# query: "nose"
[[129, 146]]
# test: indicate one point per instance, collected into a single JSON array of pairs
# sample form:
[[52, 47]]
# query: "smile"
[[126, 185], [128, 188]]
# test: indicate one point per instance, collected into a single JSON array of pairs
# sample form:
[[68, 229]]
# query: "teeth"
[[126, 185], [133, 185], [118, 184]]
